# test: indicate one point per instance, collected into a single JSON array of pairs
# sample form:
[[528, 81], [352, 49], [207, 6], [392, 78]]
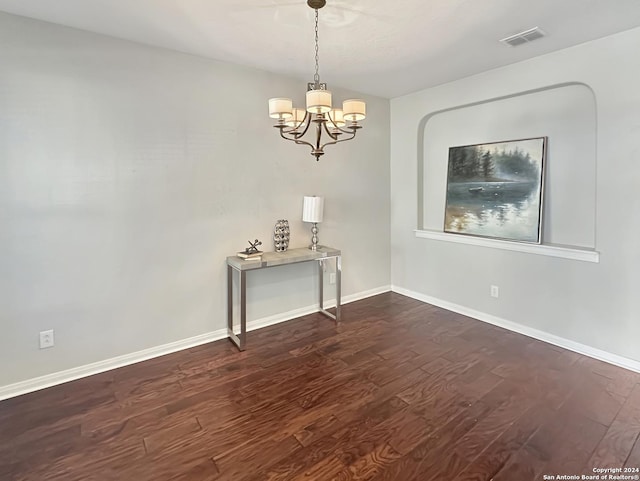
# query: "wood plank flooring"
[[400, 391]]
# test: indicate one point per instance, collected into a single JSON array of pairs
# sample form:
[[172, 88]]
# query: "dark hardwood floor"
[[400, 391]]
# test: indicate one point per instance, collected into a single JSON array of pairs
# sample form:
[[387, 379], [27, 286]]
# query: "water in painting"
[[495, 190]]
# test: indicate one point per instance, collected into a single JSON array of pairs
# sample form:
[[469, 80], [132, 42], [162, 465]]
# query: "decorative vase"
[[281, 235]]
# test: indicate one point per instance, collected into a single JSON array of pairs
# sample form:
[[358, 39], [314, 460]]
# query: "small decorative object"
[[495, 190], [312, 211], [252, 251], [281, 235]]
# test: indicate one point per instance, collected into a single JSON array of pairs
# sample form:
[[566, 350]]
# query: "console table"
[[273, 259]]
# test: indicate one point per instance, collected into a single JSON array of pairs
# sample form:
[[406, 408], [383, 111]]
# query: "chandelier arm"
[[344, 131], [333, 135], [293, 131], [314, 150], [307, 120], [295, 139], [339, 140], [302, 142], [350, 131], [298, 141]]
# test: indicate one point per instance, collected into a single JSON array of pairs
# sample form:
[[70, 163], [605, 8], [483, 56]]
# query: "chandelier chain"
[[316, 77]]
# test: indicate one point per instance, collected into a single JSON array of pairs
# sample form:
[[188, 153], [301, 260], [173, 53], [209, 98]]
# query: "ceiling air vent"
[[523, 37]]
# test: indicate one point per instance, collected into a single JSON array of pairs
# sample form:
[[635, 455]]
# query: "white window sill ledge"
[[565, 252]]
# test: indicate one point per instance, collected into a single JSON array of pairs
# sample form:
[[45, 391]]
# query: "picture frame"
[[495, 190]]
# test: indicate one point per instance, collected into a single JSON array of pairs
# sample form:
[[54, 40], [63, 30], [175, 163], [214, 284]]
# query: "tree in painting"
[[477, 163]]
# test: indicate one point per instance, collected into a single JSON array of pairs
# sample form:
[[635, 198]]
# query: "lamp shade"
[[354, 109], [297, 119], [280, 108], [312, 209], [318, 101], [337, 118]]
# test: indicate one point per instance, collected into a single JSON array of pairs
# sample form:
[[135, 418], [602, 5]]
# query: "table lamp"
[[312, 210]]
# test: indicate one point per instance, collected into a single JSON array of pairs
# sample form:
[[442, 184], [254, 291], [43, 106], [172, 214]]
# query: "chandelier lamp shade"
[[325, 124]]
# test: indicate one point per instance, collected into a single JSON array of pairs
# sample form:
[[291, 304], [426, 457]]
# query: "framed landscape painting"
[[495, 190]]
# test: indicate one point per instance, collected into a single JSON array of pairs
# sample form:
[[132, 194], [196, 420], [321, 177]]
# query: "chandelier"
[[339, 125]]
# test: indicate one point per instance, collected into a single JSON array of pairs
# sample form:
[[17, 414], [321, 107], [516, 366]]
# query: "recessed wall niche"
[[566, 114]]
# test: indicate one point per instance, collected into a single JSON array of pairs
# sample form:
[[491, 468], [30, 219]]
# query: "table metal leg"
[[338, 287], [243, 310], [321, 280], [335, 317], [229, 300], [241, 339]]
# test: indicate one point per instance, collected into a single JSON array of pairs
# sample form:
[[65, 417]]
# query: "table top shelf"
[[290, 256]]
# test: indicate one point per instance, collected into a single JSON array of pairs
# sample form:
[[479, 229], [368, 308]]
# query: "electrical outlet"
[[495, 291], [332, 278], [46, 339]]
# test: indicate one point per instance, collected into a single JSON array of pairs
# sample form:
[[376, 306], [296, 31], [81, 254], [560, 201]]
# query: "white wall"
[[127, 175], [595, 304], [565, 114]]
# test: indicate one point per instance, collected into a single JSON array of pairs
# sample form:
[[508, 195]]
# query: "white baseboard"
[[48, 380], [589, 351], [42, 382]]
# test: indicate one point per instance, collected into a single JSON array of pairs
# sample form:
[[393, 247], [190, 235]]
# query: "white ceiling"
[[386, 48]]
